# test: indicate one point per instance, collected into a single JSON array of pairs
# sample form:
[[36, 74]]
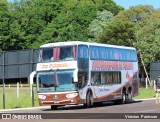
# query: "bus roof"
[[85, 43]]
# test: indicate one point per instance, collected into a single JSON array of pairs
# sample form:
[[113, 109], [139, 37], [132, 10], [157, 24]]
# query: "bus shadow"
[[137, 101], [81, 106]]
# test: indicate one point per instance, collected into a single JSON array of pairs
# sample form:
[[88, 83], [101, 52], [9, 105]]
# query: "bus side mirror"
[[31, 77], [75, 80], [75, 77]]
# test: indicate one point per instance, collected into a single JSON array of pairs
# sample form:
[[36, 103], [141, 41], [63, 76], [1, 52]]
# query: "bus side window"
[[92, 78], [106, 78], [103, 78], [115, 75], [96, 78], [110, 79], [119, 77]]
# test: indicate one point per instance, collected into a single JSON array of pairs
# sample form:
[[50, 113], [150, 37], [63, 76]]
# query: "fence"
[[17, 64], [154, 70]]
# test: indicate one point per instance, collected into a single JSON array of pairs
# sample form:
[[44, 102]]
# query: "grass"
[[145, 93], [15, 85], [25, 100]]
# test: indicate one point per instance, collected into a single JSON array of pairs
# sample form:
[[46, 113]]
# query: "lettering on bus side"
[[128, 65], [112, 65], [56, 65], [103, 90]]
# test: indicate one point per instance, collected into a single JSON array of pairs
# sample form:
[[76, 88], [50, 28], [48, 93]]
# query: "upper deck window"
[[111, 53], [46, 54], [64, 53]]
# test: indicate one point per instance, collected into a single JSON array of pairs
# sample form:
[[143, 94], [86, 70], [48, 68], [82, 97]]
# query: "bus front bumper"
[[59, 99]]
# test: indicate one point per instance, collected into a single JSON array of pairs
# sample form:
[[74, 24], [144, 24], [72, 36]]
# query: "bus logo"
[[56, 98]]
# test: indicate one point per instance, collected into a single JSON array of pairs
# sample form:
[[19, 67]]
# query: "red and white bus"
[[70, 73]]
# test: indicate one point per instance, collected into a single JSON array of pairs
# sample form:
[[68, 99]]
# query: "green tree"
[[71, 23], [97, 25], [108, 5], [148, 38], [65, 19], [4, 25], [30, 23], [118, 33]]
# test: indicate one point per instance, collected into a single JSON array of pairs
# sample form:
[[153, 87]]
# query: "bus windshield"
[[55, 81], [57, 54]]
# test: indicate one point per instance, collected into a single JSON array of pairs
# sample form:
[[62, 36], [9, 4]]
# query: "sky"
[[128, 3]]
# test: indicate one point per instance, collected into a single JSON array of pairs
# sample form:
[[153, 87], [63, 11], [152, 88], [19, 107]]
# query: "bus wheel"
[[88, 100], [129, 97], [124, 98], [54, 107]]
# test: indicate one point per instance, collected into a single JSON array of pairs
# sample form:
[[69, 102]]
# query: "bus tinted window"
[[82, 51], [66, 53], [58, 53], [108, 53], [46, 54], [83, 58], [96, 78], [106, 78]]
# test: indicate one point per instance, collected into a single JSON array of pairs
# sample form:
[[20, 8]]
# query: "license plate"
[[56, 102]]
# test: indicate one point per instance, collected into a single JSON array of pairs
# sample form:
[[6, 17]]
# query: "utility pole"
[[3, 80]]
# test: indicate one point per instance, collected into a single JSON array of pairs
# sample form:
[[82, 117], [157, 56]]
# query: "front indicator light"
[[43, 97], [72, 95]]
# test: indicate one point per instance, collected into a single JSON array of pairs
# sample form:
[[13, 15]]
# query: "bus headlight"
[[71, 95], [42, 97]]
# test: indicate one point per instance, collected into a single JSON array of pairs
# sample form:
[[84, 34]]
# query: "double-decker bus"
[[70, 73]]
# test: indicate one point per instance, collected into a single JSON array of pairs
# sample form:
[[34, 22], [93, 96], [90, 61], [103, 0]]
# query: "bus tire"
[[124, 98], [129, 97], [88, 100], [54, 107]]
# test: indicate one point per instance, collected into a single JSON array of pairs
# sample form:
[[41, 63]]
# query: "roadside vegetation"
[[145, 93], [24, 100]]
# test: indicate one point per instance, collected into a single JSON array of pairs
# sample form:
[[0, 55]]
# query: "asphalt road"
[[105, 112]]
